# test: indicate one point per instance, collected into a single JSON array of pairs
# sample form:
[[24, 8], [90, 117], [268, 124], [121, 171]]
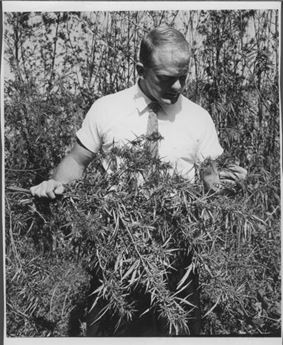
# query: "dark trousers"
[[149, 325]]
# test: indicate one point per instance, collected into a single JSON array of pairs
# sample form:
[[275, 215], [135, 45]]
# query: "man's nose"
[[177, 85]]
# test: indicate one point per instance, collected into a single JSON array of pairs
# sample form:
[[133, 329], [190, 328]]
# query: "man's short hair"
[[158, 37]]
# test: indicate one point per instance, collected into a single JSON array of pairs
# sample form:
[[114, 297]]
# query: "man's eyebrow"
[[166, 77], [162, 75], [167, 74]]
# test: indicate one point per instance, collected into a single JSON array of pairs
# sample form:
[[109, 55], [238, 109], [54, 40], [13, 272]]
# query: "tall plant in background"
[[237, 79]]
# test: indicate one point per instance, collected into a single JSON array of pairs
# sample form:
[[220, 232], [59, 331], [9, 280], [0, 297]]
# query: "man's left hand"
[[232, 174]]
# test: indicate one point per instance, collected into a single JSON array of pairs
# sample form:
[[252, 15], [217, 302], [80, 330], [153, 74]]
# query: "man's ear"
[[140, 69]]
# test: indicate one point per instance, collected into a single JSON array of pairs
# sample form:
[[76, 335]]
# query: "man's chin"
[[170, 100]]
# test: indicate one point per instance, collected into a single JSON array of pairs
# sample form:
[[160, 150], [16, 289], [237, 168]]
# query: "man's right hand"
[[47, 189]]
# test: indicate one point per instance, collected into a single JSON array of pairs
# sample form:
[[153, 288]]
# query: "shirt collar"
[[142, 101]]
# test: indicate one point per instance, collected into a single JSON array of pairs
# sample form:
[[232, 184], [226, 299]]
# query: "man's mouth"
[[172, 95], [170, 98]]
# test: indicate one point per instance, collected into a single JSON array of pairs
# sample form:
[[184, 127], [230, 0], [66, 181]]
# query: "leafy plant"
[[133, 237]]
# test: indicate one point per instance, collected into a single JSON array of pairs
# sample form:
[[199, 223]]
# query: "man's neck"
[[143, 89]]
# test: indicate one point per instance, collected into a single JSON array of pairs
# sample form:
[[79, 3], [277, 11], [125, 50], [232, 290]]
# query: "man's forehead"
[[171, 57]]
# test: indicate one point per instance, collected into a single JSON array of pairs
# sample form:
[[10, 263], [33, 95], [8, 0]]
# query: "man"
[[189, 135]]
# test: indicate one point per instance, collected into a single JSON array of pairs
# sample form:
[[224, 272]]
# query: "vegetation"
[[59, 63]]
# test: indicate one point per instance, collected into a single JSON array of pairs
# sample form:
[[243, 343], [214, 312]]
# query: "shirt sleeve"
[[90, 134], [209, 146]]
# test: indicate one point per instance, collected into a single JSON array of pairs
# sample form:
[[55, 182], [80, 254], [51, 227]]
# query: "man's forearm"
[[68, 170], [73, 165]]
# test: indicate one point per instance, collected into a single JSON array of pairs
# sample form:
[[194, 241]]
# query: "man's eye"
[[171, 80], [164, 79], [183, 78]]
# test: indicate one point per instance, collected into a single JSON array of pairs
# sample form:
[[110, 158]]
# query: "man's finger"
[[228, 175], [233, 173], [50, 194], [240, 171], [59, 189]]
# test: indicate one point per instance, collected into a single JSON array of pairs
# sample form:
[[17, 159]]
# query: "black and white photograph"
[[142, 171]]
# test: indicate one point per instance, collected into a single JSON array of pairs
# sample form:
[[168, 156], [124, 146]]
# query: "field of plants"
[[130, 236]]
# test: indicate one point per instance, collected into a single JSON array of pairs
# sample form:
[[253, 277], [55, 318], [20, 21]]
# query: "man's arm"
[[70, 169]]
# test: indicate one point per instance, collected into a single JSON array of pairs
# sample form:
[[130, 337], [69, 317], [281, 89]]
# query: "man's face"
[[165, 79]]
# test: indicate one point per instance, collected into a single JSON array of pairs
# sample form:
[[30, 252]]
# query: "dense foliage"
[[59, 63]]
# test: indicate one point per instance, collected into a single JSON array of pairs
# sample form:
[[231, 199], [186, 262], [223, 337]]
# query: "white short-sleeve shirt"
[[189, 134]]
